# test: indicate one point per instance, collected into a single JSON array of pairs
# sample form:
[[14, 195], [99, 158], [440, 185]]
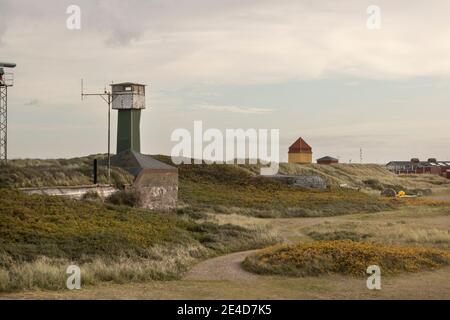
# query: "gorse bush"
[[343, 257]]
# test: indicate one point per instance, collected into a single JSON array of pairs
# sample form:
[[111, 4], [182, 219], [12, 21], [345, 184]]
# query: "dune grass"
[[25, 173], [343, 257], [407, 229]]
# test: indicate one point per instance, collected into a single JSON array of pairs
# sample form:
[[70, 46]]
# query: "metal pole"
[[106, 96], [6, 125], [109, 138], [3, 123]]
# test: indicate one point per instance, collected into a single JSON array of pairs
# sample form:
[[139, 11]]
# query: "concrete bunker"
[[155, 181]]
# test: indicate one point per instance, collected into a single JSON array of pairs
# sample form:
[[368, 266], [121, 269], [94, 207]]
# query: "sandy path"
[[226, 267]]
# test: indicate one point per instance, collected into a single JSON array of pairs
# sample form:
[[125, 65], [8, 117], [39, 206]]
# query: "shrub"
[[91, 196], [373, 184], [130, 198]]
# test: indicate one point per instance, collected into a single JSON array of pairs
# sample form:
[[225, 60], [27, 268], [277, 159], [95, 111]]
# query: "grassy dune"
[[357, 175], [58, 172], [235, 189], [40, 236], [213, 188]]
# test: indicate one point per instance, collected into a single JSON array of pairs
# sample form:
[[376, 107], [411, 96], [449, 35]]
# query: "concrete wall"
[[158, 189], [76, 192], [310, 182], [300, 157]]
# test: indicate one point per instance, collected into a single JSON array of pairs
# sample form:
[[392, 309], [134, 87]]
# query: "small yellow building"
[[300, 152]]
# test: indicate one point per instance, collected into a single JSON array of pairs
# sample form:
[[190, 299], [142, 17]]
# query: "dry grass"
[[58, 172], [343, 257], [355, 174], [420, 202], [239, 220], [395, 232], [162, 263]]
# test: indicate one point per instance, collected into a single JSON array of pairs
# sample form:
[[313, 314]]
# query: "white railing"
[[7, 80]]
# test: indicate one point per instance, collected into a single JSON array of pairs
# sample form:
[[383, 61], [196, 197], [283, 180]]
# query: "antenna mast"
[[107, 97], [6, 80]]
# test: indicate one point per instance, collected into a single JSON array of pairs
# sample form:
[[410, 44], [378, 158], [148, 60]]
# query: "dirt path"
[[226, 267]]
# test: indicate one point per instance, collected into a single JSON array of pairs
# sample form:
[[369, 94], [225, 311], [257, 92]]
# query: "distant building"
[[415, 166], [300, 152], [327, 160]]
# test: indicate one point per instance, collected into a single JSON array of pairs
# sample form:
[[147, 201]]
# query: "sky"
[[308, 68]]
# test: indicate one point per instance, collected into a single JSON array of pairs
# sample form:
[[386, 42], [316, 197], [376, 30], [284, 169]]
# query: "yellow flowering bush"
[[343, 257]]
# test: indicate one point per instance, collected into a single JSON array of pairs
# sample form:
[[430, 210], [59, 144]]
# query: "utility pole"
[[361, 155], [107, 97]]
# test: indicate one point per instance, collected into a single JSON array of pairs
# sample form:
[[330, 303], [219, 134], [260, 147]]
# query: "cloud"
[[4, 8], [32, 102], [236, 109], [227, 47], [232, 42]]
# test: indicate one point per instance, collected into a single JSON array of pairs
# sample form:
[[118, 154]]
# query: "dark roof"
[[300, 145], [327, 158], [420, 163], [134, 162], [127, 84]]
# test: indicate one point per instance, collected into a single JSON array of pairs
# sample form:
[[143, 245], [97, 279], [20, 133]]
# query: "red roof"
[[300, 146]]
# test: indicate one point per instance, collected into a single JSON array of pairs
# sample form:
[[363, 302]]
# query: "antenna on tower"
[[6, 80], [82, 90], [107, 97]]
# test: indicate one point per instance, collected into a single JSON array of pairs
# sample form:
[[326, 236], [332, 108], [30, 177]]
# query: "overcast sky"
[[309, 68]]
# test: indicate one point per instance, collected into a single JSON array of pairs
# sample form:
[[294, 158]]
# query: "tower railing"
[[7, 80]]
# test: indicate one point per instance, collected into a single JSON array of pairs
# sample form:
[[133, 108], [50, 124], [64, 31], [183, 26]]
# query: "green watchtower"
[[129, 99]]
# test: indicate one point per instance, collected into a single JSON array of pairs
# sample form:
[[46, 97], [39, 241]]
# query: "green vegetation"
[[235, 189], [41, 235], [214, 188], [343, 257]]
